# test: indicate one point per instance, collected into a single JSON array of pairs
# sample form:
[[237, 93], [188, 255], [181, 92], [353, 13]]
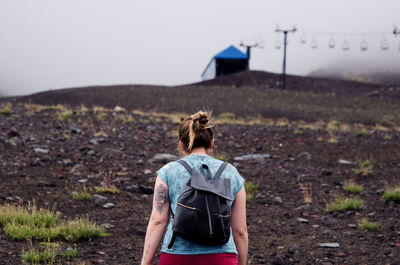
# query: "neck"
[[199, 151]]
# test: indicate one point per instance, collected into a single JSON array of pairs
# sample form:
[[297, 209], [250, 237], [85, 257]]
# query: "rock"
[[113, 151], [140, 230], [140, 162], [257, 157], [107, 225], [99, 199], [304, 155], [74, 128], [347, 233], [352, 225], [12, 133], [119, 109], [371, 214], [95, 141], [258, 196], [329, 245], [108, 205], [345, 162], [278, 199], [82, 180], [67, 162], [379, 191], [91, 153], [133, 188], [41, 150], [146, 189], [302, 220], [147, 172], [315, 226], [163, 158], [327, 232], [293, 249], [326, 172]]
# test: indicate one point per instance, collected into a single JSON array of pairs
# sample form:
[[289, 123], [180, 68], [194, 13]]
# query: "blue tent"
[[228, 61]]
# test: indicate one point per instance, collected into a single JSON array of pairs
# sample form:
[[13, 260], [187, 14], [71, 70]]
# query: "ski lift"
[[332, 43], [314, 43], [303, 38], [261, 44], [364, 45], [384, 44], [277, 44], [345, 45]]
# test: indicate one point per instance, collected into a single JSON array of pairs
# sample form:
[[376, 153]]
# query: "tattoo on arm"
[[147, 251], [161, 198]]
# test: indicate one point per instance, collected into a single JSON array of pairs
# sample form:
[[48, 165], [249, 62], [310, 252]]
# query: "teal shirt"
[[176, 176]]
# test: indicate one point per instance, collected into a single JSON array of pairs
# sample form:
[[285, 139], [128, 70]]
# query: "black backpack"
[[203, 212]]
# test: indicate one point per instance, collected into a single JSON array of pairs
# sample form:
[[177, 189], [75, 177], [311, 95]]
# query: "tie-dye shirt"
[[176, 176]]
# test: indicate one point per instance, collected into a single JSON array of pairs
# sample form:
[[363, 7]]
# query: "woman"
[[196, 141]]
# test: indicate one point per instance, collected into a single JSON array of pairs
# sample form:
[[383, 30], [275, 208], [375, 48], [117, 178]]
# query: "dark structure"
[[229, 61]]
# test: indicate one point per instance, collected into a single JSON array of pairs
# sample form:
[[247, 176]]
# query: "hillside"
[[246, 94]]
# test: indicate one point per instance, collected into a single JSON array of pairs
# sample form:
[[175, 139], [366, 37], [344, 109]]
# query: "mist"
[[49, 44]]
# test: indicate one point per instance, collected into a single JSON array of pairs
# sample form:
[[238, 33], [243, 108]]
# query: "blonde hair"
[[195, 130]]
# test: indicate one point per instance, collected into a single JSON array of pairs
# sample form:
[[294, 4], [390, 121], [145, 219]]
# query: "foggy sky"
[[50, 44]]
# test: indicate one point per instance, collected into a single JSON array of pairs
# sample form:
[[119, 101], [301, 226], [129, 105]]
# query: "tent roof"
[[231, 53]]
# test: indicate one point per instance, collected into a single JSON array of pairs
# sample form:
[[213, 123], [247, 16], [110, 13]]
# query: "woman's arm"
[[157, 223], [239, 226]]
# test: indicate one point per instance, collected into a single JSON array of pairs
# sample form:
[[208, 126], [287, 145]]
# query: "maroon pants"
[[204, 259]]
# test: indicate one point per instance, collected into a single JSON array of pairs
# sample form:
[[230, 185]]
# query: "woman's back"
[[176, 176]]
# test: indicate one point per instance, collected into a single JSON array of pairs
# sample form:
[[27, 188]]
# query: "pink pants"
[[203, 259]]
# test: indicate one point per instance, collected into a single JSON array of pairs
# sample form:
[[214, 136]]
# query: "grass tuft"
[[37, 256], [82, 195], [5, 111], [22, 223], [109, 189], [392, 194], [69, 253], [369, 226], [250, 188], [340, 204], [352, 187], [365, 169]]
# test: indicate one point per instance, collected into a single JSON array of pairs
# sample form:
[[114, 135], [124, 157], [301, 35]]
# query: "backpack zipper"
[[196, 209]]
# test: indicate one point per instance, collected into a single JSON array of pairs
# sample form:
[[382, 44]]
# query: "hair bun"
[[201, 121]]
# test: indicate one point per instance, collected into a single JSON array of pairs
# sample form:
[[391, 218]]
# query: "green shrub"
[[392, 194], [364, 224], [35, 256], [5, 111], [362, 132], [227, 116], [340, 204], [298, 132], [21, 223], [352, 187], [387, 137], [82, 195], [110, 189], [70, 253], [365, 169], [250, 188]]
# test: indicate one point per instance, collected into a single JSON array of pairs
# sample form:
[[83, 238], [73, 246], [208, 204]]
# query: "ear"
[[211, 144], [182, 148]]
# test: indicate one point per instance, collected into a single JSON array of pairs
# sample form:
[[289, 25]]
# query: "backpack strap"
[[220, 170], [186, 165], [171, 243]]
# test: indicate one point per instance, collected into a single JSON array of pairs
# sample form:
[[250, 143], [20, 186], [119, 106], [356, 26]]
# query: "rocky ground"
[[46, 155]]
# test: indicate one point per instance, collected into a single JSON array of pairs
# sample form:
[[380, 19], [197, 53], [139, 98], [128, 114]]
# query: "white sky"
[[49, 44]]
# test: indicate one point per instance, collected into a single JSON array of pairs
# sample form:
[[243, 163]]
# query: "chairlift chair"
[[364, 45], [332, 43], [314, 44], [277, 44], [345, 45], [303, 38], [384, 44]]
